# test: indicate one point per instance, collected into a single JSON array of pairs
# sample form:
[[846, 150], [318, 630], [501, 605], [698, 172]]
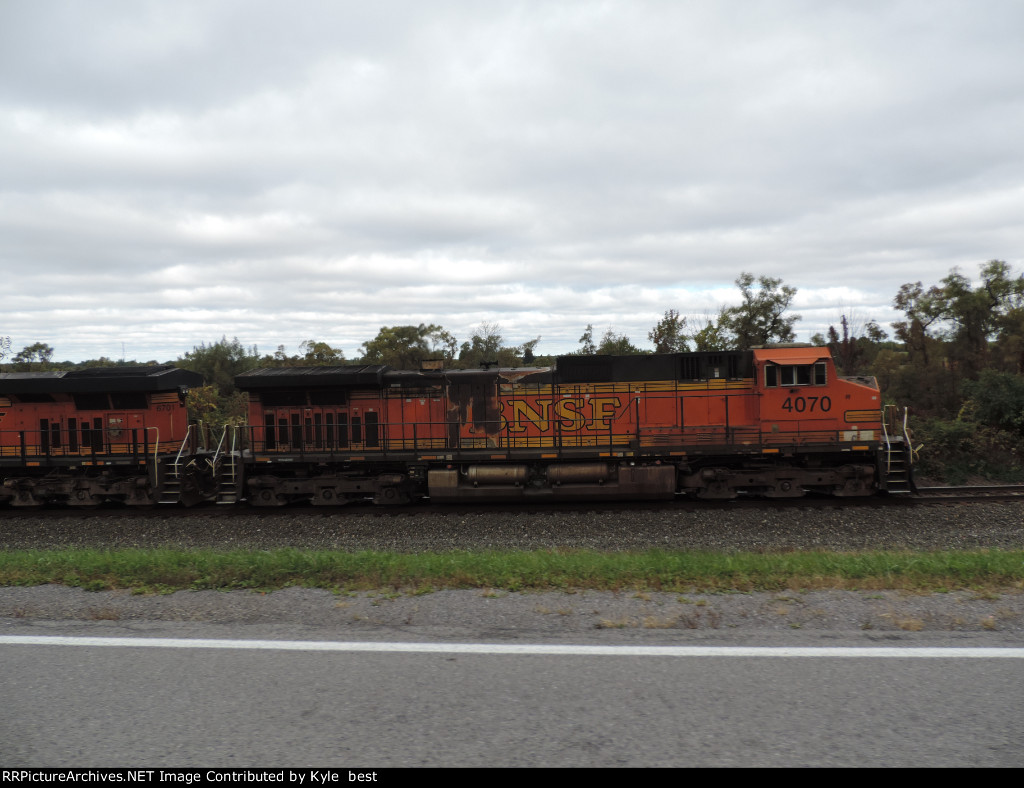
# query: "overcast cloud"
[[171, 172]]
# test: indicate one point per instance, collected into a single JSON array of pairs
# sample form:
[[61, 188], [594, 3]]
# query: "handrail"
[[156, 443], [888, 445], [434, 436], [906, 436], [750, 437], [184, 443], [234, 444], [235, 455], [220, 445]]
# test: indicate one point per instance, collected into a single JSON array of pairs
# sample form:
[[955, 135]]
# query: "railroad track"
[[969, 493], [923, 496]]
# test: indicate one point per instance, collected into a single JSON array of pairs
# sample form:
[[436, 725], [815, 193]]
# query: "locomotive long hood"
[[100, 379], [283, 377]]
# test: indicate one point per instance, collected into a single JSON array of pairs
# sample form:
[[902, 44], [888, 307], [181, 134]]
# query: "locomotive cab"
[[801, 396], [830, 428]]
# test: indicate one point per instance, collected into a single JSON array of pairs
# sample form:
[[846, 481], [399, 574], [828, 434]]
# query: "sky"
[[175, 172]]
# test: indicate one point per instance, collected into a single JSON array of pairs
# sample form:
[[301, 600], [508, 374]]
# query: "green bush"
[[955, 451], [996, 399]]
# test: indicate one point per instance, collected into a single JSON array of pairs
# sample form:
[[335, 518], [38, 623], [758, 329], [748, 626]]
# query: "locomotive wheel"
[[25, 498], [267, 496], [391, 496], [82, 497]]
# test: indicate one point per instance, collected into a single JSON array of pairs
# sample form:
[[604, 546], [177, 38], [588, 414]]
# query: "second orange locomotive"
[[774, 422]]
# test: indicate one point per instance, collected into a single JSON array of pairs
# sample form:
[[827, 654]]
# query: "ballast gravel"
[[499, 614], [714, 527]]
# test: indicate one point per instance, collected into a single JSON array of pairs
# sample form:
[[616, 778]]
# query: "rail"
[[971, 493]]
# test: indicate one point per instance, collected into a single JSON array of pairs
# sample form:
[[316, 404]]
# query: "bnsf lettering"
[[573, 414], [521, 411], [570, 415], [807, 404]]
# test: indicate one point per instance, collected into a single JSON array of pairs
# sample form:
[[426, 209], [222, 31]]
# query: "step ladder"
[[898, 469], [898, 479], [170, 490], [227, 466]]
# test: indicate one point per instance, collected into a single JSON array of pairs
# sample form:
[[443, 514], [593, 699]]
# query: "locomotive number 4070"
[[807, 404]]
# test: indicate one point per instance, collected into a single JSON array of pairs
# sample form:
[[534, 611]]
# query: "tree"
[[668, 335], [442, 345], [613, 344], [587, 346], [206, 404], [970, 315], [34, 357], [5, 347], [320, 354], [280, 359], [487, 346], [855, 348], [1006, 295], [759, 319], [528, 348], [104, 361], [712, 337], [923, 310], [406, 347], [965, 324], [484, 347], [996, 399], [220, 362], [875, 333]]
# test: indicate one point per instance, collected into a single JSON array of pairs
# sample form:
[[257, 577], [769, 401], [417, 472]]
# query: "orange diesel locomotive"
[[772, 422], [86, 436]]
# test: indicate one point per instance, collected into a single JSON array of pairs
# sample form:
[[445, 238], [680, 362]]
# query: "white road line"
[[887, 652]]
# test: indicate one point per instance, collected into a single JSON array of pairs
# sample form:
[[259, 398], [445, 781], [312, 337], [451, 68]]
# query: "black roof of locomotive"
[[287, 377], [654, 366], [162, 377], [567, 369]]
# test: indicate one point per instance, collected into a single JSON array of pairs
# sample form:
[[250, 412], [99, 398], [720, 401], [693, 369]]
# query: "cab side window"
[[795, 374]]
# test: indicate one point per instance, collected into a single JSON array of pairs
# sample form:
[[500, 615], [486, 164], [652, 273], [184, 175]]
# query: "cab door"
[[282, 428], [364, 427]]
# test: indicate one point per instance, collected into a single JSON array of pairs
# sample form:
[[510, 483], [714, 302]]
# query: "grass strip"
[[164, 570]]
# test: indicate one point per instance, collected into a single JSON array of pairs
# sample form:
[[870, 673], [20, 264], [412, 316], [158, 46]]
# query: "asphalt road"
[[74, 705]]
